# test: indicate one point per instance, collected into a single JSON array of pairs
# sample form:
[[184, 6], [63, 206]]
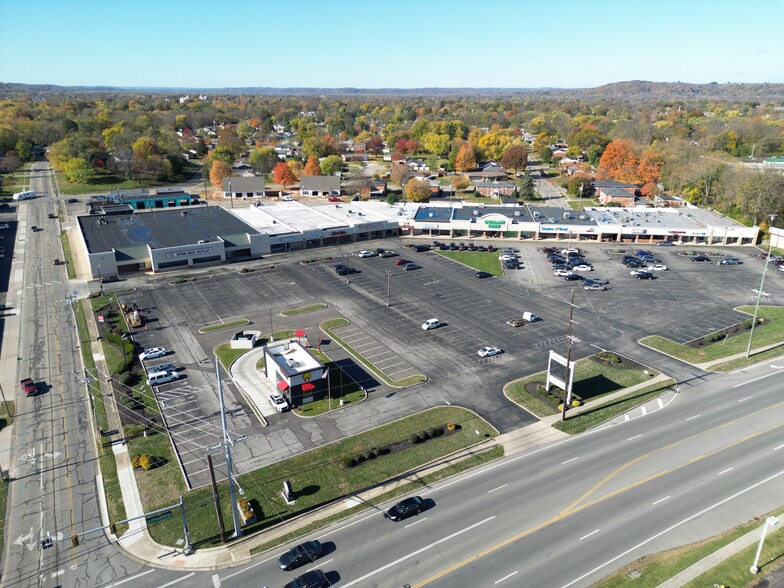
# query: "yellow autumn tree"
[[218, 171]]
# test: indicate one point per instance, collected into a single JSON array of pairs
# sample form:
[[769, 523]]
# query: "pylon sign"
[[556, 379]]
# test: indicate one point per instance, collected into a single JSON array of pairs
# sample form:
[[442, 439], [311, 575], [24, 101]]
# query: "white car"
[[562, 272], [366, 254], [152, 353], [287, 198], [634, 272], [570, 250], [507, 257], [164, 367], [583, 268], [488, 351], [658, 267], [276, 400], [430, 324]]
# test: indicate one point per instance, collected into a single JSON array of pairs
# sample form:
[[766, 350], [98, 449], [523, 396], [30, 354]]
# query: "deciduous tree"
[[466, 158], [375, 145], [515, 157], [263, 159], [417, 190], [619, 162], [283, 175], [649, 169], [312, 167], [459, 183], [78, 171], [218, 171], [331, 164]]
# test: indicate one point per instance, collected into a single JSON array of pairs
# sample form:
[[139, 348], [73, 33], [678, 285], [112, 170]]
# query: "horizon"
[[504, 44]]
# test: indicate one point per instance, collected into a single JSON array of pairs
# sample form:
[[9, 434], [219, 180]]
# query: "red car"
[[402, 261], [335, 199], [28, 387]]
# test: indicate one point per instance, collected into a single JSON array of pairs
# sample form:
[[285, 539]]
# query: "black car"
[[634, 264], [345, 270], [405, 508], [730, 261], [572, 277], [421, 248], [300, 555], [109, 279], [411, 267], [483, 275], [644, 276], [511, 265], [311, 579], [72, 200], [700, 258]]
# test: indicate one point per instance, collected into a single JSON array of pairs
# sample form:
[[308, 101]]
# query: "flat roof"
[[292, 358], [262, 221], [545, 213], [130, 234], [675, 218]]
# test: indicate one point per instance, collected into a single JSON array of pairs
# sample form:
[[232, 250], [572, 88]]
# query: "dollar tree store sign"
[[493, 223]]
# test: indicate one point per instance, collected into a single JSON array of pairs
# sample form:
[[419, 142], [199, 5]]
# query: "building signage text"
[[189, 252]]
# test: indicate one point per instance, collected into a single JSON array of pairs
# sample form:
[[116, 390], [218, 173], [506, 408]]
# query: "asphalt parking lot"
[[689, 300]]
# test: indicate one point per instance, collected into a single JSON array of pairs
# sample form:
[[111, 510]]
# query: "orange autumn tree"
[[465, 159], [283, 175], [312, 167], [619, 162], [649, 169], [218, 171]]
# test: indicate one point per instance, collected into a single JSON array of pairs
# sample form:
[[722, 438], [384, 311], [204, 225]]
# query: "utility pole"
[[188, 545], [272, 335], [762, 284], [227, 448], [567, 379], [215, 496]]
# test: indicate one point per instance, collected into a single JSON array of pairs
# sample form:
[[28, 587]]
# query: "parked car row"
[[460, 247], [158, 374]]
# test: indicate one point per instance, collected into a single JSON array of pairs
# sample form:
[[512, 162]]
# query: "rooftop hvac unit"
[[517, 213], [583, 217], [475, 212], [203, 241], [550, 220], [567, 215], [536, 214], [430, 214]]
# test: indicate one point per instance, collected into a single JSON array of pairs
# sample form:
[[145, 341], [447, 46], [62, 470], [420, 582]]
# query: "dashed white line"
[[568, 460], [494, 489], [588, 535], [505, 577], [633, 438], [696, 416], [755, 379], [779, 447], [660, 500], [129, 579], [216, 581], [725, 471], [744, 399], [415, 523]]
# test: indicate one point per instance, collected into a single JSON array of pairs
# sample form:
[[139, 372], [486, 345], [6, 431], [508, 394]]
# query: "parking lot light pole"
[[762, 284], [100, 283], [389, 282]]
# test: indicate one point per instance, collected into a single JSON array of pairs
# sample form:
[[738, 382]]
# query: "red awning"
[[299, 333], [307, 386], [283, 385]]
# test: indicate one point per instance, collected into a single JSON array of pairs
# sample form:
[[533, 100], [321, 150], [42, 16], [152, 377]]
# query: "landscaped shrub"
[[435, 432], [349, 462], [424, 434], [453, 426], [712, 337], [136, 461], [125, 378], [576, 402], [376, 451], [368, 455], [609, 357], [414, 439], [359, 458], [147, 462]]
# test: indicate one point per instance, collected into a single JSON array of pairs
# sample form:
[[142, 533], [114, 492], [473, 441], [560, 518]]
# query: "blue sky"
[[387, 43]]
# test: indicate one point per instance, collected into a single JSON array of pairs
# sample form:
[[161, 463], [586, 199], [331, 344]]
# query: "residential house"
[[373, 189], [242, 187], [620, 196], [319, 186], [494, 189], [488, 173], [670, 201]]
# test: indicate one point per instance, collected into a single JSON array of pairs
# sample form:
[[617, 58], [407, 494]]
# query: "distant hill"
[[635, 91]]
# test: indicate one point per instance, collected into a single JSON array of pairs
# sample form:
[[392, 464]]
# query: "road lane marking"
[[643, 410], [633, 438], [588, 535], [216, 581], [568, 460], [779, 447], [131, 579], [660, 500], [415, 523], [177, 581], [696, 416], [417, 552], [725, 471], [675, 526], [57, 573], [505, 577], [744, 399], [494, 489], [755, 379]]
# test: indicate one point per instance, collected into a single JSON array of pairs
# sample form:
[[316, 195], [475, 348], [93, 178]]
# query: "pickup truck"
[[29, 387], [516, 322]]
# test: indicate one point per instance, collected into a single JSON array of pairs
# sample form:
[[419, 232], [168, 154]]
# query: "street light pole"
[[772, 521], [100, 283], [389, 277], [762, 284]]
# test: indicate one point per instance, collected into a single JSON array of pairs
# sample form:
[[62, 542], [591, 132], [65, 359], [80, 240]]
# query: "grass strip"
[[596, 416], [6, 415], [327, 327], [70, 265], [304, 309], [319, 476], [470, 462], [3, 500], [770, 332], [220, 327], [660, 567], [483, 261]]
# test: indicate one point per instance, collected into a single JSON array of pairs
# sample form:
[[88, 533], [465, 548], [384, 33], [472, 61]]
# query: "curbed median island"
[[321, 477]]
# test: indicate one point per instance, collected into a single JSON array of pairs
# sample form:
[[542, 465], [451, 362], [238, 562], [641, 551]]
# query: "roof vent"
[[517, 213], [203, 241]]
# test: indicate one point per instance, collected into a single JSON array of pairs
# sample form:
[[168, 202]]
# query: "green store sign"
[[495, 224]]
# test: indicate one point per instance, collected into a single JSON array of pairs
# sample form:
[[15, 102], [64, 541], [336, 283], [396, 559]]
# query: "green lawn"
[[221, 326], [3, 498], [303, 309], [658, 568], [106, 181], [341, 388], [483, 261], [767, 334], [327, 327], [319, 477], [6, 417], [592, 380]]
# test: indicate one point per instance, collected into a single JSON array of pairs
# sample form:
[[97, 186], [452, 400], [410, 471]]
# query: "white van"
[[159, 378], [431, 324]]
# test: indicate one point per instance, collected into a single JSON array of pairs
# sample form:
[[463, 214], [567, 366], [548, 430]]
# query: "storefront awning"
[[283, 385], [299, 333], [307, 386]]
